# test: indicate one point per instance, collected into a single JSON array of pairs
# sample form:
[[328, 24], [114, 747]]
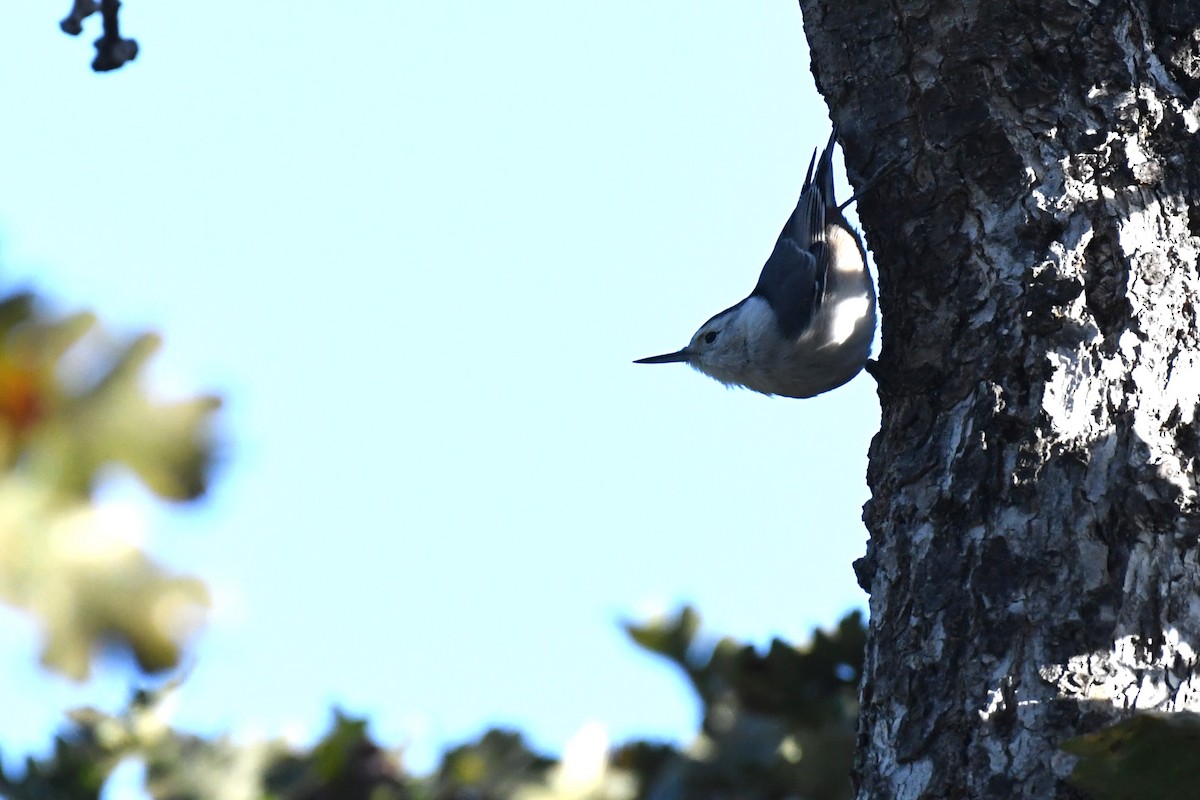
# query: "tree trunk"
[[1033, 556]]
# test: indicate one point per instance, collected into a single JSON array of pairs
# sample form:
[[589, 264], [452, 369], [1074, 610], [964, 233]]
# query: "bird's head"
[[722, 347]]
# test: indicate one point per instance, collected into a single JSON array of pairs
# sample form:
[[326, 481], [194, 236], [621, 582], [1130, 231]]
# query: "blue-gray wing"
[[793, 279], [793, 284]]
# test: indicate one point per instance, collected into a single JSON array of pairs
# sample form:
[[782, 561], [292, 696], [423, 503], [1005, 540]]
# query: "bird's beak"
[[667, 358]]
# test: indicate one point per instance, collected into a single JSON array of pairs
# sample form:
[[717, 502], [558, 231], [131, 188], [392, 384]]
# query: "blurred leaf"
[[74, 568], [585, 772], [643, 757], [74, 775], [668, 636], [185, 767], [85, 754], [178, 766], [116, 422], [809, 685], [338, 748], [491, 769], [774, 725], [27, 380], [1151, 754], [345, 765], [71, 404]]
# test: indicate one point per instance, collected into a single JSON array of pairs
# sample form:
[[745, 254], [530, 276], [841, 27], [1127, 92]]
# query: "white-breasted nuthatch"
[[808, 325]]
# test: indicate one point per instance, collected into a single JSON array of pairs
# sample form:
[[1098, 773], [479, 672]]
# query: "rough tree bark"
[[1033, 556]]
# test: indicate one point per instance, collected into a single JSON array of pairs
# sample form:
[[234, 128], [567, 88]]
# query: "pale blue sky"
[[416, 246]]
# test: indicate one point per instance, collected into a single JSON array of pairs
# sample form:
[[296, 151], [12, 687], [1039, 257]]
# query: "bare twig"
[[81, 10], [112, 51]]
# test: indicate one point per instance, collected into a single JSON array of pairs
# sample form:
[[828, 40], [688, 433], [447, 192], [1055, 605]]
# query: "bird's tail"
[[824, 177], [807, 223]]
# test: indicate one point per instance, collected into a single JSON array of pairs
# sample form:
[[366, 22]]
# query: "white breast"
[[846, 317]]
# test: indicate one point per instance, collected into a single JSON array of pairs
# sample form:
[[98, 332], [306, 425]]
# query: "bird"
[[807, 326]]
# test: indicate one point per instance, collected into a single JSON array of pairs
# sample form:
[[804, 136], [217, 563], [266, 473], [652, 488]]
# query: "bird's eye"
[[710, 337]]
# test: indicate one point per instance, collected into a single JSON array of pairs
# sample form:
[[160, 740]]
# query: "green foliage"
[[494, 768], [767, 734], [74, 773], [345, 765], [86, 753], [71, 408], [1148, 755], [780, 724]]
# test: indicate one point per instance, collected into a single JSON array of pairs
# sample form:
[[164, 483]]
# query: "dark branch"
[[73, 23], [112, 51]]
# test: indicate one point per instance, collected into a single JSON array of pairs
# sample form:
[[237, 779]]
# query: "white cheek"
[[755, 320], [846, 316]]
